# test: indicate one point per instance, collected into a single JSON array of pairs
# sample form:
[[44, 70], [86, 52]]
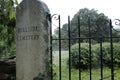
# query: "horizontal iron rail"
[[79, 38], [84, 38]]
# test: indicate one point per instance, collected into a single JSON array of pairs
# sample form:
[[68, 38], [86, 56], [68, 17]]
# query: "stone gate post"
[[32, 40]]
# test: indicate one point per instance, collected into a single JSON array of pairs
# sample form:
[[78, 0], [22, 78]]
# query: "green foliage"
[[84, 63], [8, 7], [54, 72], [7, 27], [107, 54], [117, 53], [85, 74], [98, 24]]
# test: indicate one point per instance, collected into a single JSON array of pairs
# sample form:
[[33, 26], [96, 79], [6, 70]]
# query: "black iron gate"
[[110, 37]]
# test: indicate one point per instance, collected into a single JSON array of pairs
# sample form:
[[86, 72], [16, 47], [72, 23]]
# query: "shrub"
[[84, 59], [84, 63], [107, 53], [116, 51]]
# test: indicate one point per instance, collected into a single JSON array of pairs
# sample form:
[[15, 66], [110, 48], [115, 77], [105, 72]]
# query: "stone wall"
[[7, 69]]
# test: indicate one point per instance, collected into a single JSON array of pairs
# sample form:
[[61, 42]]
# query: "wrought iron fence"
[[110, 37]]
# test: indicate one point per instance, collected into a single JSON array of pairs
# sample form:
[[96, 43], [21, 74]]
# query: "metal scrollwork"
[[116, 24], [55, 19], [55, 16]]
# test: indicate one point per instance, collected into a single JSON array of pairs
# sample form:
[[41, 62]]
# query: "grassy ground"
[[75, 72]]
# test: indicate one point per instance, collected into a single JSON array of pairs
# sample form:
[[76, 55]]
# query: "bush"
[[84, 63], [116, 51], [107, 53]]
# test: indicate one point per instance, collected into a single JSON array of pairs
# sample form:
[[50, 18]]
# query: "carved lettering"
[[28, 29], [28, 37]]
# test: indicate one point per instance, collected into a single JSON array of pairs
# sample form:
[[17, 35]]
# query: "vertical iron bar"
[[101, 52], [101, 59], [111, 50], [79, 48], [59, 49], [51, 61], [90, 54], [69, 41]]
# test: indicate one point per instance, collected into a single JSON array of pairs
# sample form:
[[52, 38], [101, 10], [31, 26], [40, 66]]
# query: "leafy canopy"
[[98, 22]]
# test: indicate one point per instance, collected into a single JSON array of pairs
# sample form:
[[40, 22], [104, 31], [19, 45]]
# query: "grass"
[[85, 74]]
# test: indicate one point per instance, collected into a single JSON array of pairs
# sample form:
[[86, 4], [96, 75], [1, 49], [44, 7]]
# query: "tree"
[[98, 25], [9, 6], [7, 27]]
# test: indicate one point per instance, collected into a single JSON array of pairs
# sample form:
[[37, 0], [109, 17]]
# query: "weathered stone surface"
[[32, 39], [7, 69]]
